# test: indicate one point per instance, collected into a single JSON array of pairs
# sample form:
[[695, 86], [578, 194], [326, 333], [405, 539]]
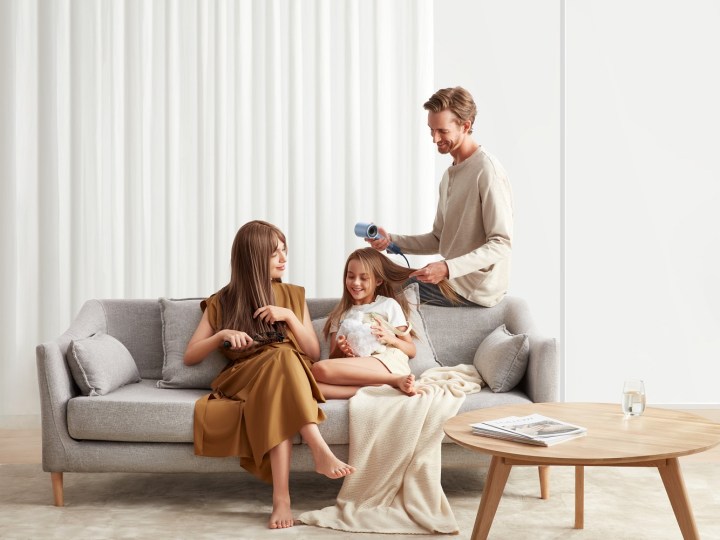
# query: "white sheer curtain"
[[137, 136]]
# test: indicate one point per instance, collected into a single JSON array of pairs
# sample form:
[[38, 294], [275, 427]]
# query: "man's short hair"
[[457, 100]]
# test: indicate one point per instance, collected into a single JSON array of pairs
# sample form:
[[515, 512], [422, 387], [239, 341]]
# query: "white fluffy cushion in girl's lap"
[[359, 336]]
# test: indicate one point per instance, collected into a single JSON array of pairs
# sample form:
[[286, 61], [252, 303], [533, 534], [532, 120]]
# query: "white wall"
[[620, 137], [643, 190], [507, 54]]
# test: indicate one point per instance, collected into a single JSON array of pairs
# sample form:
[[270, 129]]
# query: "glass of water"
[[633, 399]]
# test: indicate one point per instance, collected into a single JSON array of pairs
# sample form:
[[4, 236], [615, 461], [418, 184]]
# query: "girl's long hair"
[[250, 284], [392, 276]]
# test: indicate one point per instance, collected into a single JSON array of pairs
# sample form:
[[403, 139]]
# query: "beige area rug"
[[620, 503]]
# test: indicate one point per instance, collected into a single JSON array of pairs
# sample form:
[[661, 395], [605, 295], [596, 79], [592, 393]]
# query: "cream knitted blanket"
[[395, 445]]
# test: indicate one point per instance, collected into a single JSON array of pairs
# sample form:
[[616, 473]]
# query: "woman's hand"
[[344, 347], [273, 314], [301, 329], [205, 340], [238, 340]]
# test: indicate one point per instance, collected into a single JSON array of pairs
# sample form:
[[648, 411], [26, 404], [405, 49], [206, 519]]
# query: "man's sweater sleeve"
[[497, 218]]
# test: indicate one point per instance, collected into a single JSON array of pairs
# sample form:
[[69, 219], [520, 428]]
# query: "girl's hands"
[[344, 347], [383, 335], [273, 314]]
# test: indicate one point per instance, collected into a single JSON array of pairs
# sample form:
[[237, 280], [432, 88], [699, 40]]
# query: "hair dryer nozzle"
[[370, 230], [366, 230]]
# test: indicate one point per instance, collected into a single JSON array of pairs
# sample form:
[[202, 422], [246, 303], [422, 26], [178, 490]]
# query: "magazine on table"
[[532, 429]]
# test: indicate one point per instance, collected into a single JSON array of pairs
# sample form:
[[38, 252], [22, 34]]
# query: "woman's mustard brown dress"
[[258, 401]]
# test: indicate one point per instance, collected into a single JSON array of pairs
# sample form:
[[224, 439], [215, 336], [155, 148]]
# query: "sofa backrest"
[[454, 333], [138, 325]]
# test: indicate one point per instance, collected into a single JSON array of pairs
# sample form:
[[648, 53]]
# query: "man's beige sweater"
[[472, 230]]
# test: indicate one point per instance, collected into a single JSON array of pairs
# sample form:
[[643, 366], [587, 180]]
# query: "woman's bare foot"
[[281, 517], [331, 466], [406, 384]]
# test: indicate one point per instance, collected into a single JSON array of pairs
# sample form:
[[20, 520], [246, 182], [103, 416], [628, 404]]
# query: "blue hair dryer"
[[370, 230]]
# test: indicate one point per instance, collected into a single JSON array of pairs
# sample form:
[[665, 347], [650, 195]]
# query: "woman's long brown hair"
[[250, 284], [392, 277]]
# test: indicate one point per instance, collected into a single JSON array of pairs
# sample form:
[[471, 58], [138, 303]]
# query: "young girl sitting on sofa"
[[370, 336]]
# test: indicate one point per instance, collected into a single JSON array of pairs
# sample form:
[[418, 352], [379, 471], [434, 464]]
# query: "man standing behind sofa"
[[474, 220]]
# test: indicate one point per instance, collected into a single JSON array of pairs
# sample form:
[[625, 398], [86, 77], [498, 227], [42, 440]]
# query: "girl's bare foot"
[[406, 384], [281, 517], [332, 467]]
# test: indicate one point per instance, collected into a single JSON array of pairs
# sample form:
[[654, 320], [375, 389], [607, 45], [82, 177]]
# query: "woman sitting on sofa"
[[267, 392]]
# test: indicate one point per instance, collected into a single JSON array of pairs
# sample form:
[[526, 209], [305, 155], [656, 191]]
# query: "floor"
[[24, 445]]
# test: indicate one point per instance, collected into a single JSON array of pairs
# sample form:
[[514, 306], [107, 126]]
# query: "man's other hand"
[[432, 273]]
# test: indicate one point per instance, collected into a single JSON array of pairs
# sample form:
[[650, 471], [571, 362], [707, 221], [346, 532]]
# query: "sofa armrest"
[[542, 376], [56, 389], [57, 386]]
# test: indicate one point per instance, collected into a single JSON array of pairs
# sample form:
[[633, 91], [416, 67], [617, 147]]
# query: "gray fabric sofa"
[[143, 428]]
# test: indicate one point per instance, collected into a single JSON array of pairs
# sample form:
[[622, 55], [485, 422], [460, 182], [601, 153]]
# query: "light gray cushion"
[[145, 413], [501, 359], [101, 364], [179, 321], [425, 356], [487, 398], [318, 325]]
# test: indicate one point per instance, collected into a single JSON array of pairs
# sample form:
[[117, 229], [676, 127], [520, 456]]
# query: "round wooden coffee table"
[[655, 439]]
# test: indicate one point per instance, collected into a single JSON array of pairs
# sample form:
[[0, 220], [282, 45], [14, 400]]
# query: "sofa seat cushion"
[[145, 413], [335, 430], [136, 413], [335, 427], [487, 398]]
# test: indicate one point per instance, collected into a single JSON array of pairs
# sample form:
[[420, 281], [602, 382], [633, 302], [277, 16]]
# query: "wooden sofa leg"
[[57, 487], [544, 473]]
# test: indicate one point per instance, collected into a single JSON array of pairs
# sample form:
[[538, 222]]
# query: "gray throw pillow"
[[501, 359], [100, 364], [318, 325], [179, 321]]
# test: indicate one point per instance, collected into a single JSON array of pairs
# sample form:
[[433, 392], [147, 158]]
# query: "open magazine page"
[[532, 429]]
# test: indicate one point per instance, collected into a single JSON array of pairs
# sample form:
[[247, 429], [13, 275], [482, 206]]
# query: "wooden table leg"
[[494, 487], [675, 486], [544, 473], [579, 497]]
